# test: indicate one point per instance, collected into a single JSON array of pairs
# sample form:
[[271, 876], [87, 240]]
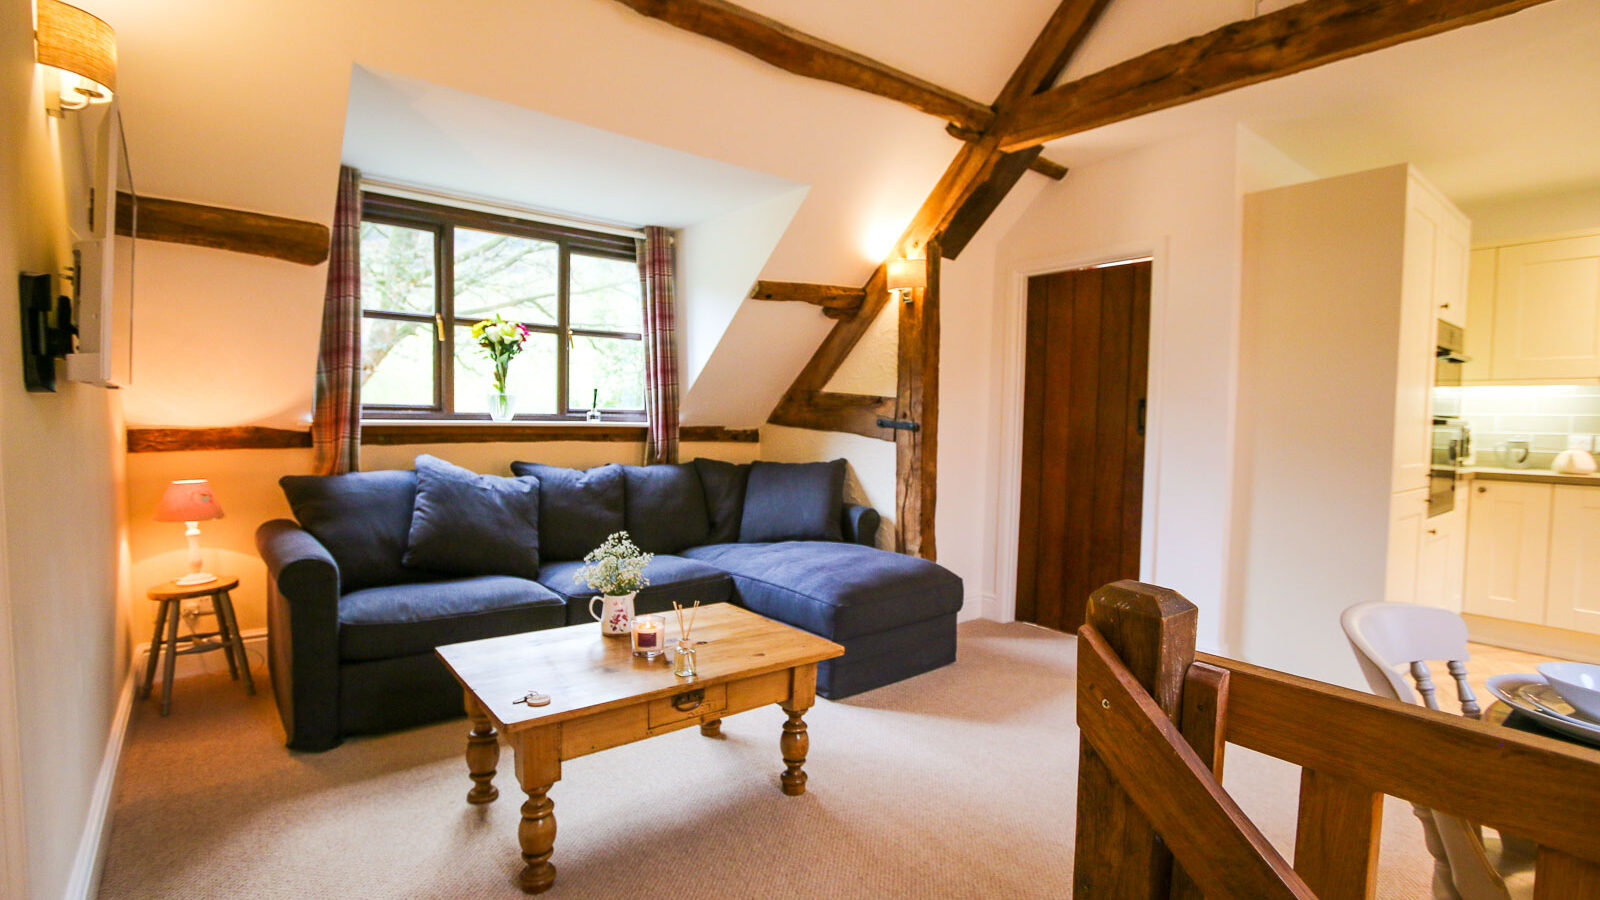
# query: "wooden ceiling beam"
[[779, 45], [1052, 170], [1293, 39], [837, 302], [219, 228]]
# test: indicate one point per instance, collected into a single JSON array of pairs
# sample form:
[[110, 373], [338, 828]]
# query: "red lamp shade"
[[188, 501]]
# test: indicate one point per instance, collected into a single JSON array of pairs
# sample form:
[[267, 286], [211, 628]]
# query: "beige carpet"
[[959, 783]]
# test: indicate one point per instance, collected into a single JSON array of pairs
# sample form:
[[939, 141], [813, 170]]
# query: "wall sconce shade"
[[188, 501], [82, 48], [908, 274]]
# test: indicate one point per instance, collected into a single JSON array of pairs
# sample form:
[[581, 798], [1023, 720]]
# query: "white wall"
[[712, 289], [1180, 202], [60, 474], [1534, 217]]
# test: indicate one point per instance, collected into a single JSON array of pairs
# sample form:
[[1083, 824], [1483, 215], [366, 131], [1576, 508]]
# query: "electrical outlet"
[[1580, 442]]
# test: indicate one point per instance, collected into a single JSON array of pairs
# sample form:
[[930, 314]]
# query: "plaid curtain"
[[661, 355], [336, 420]]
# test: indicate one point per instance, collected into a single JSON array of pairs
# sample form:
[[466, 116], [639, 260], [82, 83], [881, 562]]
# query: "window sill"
[[436, 431]]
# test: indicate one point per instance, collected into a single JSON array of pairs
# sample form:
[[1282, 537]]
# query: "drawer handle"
[[689, 702]]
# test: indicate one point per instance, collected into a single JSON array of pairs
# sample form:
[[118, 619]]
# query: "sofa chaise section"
[[894, 614]]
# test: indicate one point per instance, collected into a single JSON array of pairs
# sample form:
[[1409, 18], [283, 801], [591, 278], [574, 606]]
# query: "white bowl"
[[1577, 683]]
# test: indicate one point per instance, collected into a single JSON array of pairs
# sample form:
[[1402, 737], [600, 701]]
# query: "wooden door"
[[1508, 545], [1574, 592], [1083, 438]]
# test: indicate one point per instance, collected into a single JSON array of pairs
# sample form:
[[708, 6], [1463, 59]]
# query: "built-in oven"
[[1452, 438]]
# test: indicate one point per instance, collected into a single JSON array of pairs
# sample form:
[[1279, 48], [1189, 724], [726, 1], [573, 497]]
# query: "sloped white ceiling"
[[410, 131], [1508, 108]]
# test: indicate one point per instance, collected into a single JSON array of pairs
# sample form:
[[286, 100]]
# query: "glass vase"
[[502, 406]]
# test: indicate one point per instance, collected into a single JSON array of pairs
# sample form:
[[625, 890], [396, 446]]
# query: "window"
[[428, 273]]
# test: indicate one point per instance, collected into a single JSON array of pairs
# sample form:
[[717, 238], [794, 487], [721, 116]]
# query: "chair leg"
[[224, 603], [171, 664], [155, 649]]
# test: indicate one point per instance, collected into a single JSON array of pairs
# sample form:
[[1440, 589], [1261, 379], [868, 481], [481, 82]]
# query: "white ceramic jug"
[[618, 613]]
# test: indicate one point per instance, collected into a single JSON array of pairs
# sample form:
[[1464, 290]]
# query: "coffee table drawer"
[[695, 703]]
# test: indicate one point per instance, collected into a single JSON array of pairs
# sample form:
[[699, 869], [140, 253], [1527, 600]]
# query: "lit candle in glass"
[[648, 636]]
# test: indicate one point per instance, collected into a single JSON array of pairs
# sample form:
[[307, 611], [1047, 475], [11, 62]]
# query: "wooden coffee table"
[[602, 696]]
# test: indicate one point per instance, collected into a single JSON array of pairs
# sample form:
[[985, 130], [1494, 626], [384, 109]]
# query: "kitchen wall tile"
[[1534, 424], [1585, 425], [1568, 404]]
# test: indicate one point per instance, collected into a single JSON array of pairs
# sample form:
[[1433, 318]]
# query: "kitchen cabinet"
[[1408, 511], [1352, 273], [1441, 556], [1508, 548], [1573, 600], [1480, 316], [1538, 304]]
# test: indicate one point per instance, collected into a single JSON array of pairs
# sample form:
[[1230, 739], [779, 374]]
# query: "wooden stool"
[[170, 597]]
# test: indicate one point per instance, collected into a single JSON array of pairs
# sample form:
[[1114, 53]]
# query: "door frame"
[[1012, 361]]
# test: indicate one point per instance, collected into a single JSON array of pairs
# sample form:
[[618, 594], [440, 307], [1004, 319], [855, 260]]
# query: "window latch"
[[438, 331]]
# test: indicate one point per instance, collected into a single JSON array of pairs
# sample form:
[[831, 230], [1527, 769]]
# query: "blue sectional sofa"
[[382, 567]]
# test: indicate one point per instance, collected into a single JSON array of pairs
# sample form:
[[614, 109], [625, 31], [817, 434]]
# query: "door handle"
[[1140, 416]]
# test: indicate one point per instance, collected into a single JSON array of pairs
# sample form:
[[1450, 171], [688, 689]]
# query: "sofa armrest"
[[860, 525], [302, 633]]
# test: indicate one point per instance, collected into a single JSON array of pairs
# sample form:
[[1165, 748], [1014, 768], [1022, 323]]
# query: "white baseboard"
[[255, 647], [976, 606], [83, 882]]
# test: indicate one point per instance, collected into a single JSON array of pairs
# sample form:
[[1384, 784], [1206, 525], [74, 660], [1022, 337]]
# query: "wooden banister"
[[1531, 786], [1154, 717], [1153, 633], [1218, 845]]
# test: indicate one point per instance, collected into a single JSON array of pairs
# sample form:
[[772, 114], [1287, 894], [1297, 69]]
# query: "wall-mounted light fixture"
[[80, 50], [907, 276]]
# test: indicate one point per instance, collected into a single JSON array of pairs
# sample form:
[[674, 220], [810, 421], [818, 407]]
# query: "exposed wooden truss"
[[969, 191], [837, 302], [777, 44], [178, 222], [792, 50], [1281, 43], [917, 452]]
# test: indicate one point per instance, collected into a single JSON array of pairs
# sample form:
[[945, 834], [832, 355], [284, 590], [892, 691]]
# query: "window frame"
[[442, 221]]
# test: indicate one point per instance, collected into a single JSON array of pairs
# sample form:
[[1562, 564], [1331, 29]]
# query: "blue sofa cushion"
[[836, 590], [793, 502], [723, 484], [577, 510], [363, 518], [463, 523], [671, 578], [665, 507], [398, 620]]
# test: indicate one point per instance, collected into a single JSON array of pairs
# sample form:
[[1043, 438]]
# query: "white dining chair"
[[1388, 638]]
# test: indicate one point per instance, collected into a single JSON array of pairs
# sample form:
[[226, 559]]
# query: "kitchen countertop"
[[1541, 476]]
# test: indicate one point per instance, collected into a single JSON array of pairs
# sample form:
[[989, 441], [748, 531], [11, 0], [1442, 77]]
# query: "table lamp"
[[189, 501]]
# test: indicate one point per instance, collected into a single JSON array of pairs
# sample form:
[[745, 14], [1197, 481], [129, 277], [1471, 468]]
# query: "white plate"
[[1547, 698], [1505, 688]]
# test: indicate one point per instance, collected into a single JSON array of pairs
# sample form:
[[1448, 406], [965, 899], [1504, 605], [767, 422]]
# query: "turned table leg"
[[795, 744], [537, 835], [713, 728], [538, 769], [483, 753]]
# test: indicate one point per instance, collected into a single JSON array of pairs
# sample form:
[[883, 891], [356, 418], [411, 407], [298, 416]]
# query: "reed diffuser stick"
[[691, 619]]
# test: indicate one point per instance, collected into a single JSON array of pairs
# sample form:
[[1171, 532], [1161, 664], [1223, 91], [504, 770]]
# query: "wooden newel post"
[[1119, 855]]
